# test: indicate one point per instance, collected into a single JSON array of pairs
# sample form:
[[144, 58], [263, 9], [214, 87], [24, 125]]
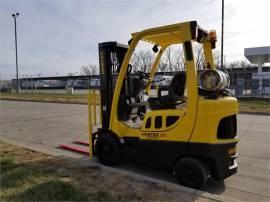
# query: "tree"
[[142, 60], [179, 61], [238, 64], [169, 59], [172, 60], [162, 67], [199, 58], [89, 70]]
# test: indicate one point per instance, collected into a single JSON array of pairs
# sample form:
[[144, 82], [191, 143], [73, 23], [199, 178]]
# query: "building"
[[261, 78], [253, 81]]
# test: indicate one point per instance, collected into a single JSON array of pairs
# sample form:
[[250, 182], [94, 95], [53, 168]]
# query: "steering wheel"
[[142, 75]]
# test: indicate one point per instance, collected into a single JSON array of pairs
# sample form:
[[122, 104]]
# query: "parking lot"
[[45, 125]]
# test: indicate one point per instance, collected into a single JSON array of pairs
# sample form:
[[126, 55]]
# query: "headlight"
[[212, 80]]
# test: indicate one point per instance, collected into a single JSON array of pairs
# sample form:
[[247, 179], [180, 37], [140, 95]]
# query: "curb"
[[86, 162]]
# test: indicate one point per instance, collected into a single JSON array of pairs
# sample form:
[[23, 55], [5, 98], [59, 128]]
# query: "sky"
[[57, 37]]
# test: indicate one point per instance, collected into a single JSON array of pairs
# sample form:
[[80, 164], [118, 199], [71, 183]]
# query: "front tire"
[[191, 172], [107, 150]]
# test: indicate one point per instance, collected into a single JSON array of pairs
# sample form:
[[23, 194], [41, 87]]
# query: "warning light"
[[213, 38], [213, 35]]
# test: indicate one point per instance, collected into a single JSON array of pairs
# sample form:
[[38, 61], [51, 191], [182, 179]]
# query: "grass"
[[31, 176], [25, 180], [244, 105], [254, 106]]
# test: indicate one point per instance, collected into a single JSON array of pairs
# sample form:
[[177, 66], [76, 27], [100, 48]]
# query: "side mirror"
[[155, 48]]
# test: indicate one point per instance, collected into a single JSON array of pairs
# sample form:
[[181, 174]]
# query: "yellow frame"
[[199, 120], [94, 101]]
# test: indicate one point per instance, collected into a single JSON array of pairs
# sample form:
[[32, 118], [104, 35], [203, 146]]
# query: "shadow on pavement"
[[215, 187], [212, 186]]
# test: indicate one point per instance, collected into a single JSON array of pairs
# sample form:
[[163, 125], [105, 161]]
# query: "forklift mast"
[[111, 56]]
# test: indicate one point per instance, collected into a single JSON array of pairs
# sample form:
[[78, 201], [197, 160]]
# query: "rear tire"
[[107, 150], [191, 172]]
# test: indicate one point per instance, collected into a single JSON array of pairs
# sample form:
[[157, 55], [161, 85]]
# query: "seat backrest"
[[177, 85]]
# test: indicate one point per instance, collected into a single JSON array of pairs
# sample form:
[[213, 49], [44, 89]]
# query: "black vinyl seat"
[[175, 94]]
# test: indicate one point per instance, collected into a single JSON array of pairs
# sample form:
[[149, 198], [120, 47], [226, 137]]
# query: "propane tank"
[[212, 80]]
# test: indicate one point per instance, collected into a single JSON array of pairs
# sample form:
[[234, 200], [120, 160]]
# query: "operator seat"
[[175, 95]]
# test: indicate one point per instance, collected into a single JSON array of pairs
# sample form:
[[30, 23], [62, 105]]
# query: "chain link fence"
[[250, 87], [242, 85]]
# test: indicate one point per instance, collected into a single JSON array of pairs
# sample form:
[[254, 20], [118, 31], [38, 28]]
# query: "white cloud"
[[247, 27], [60, 36]]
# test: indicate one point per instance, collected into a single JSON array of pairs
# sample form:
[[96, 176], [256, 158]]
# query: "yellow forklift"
[[191, 130]]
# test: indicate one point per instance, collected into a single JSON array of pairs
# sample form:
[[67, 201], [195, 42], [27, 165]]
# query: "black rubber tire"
[[107, 150], [191, 172]]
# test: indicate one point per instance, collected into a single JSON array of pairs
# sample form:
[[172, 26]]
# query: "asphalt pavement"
[[43, 126]]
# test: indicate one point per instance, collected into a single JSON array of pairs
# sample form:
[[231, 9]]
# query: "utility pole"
[[222, 31], [17, 72]]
